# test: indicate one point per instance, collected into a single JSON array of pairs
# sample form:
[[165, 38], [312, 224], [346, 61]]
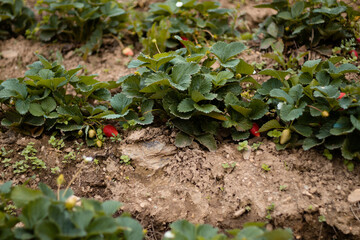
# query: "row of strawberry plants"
[[310, 22], [198, 99], [318, 105], [200, 91], [61, 215], [87, 22], [15, 18], [51, 98]]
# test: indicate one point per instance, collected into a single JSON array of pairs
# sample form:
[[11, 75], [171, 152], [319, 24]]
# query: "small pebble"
[[354, 196]]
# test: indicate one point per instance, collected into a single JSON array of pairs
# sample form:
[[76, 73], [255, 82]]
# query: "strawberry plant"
[[252, 231], [310, 22], [47, 215], [15, 18], [283, 61], [318, 106], [82, 22], [183, 87], [61, 215], [193, 20], [52, 98]]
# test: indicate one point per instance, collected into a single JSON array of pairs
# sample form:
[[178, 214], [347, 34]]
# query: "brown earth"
[[164, 183]]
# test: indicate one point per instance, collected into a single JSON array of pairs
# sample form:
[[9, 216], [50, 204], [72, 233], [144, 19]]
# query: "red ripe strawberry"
[[358, 40], [110, 131], [185, 39], [341, 95], [354, 53], [254, 130], [128, 52]]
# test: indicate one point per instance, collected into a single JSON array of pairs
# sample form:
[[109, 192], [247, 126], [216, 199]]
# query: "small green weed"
[[256, 146], [349, 165], [259, 66], [282, 187], [55, 170], [20, 166], [129, 124], [4, 152], [243, 146], [56, 143], [70, 156], [327, 154], [29, 154], [116, 138], [265, 167], [125, 159], [78, 145], [227, 165], [322, 219], [4, 160], [270, 209]]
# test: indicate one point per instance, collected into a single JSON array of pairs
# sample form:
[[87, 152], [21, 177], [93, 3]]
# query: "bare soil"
[[164, 183]]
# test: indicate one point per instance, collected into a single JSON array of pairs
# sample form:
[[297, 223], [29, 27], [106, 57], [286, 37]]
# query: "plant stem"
[[314, 108], [72, 180], [157, 47]]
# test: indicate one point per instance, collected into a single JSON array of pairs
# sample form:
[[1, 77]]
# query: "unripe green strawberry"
[[285, 136], [71, 202], [99, 143], [60, 180], [92, 133], [325, 114]]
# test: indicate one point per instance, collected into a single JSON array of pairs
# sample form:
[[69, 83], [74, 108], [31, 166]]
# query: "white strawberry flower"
[[280, 105], [179, 4], [88, 159], [169, 235]]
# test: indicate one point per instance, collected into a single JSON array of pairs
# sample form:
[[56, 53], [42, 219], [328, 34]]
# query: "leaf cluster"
[[252, 231], [278, 54], [15, 18], [196, 21], [47, 216], [51, 98], [81, 22], [309, 22], [187, 87], [309, 104]]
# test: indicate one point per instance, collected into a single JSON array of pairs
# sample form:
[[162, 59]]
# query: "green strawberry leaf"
[[182, 140], [272, 124], [181, 75], [224, 51]]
